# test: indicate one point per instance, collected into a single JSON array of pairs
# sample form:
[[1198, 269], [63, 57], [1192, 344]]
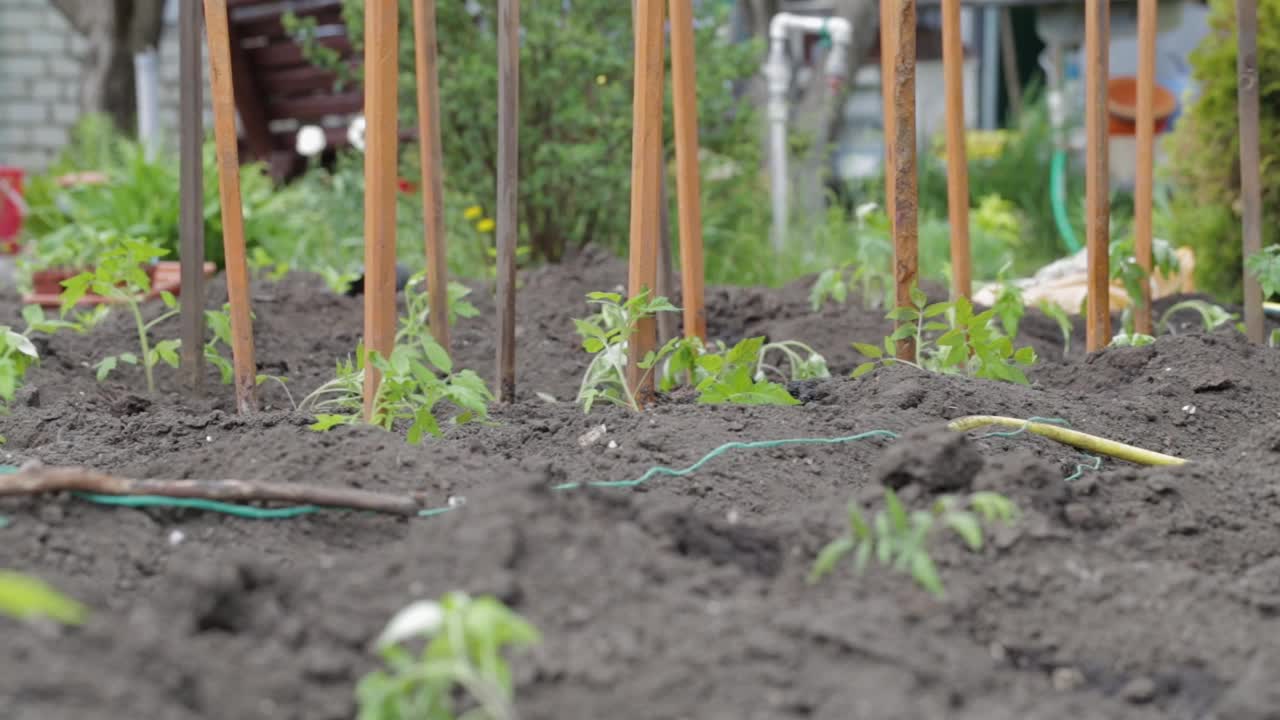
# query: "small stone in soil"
[[1139, 690], [1067, 678]]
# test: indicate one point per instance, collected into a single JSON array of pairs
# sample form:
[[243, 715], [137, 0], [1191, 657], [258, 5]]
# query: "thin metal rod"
[[1097, 175], [237, 268], [381, 36], [1144, 183], [688, 181], [905, 220], [1250, 167], [508, 179], [430, 152], [646, 137], [191, 189], [957, 158]]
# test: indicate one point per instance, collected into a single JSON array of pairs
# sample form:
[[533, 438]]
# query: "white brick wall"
[[40, 69]]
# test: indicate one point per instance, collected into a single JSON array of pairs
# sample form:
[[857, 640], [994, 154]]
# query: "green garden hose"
[[1046, 427], [1058, 197]]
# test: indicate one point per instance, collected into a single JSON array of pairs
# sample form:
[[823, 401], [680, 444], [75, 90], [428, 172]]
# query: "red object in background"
[[406, 186], [10, 207], [1122, 106]]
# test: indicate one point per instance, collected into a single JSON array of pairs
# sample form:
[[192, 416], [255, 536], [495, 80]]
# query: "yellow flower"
[[472, 212], [485, 225], [601, 79]]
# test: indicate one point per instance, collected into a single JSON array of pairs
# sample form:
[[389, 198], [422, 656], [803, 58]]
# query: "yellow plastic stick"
[[1074, 438]]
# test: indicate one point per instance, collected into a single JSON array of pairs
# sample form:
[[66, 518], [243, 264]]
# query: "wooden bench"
[[278, 90]]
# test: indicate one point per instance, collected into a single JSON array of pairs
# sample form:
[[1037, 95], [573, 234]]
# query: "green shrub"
[[575, 111], [1204, 151]]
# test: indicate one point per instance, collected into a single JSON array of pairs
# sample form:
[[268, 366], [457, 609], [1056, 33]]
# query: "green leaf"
[[862, 557], [128, 358], [903, 332], [903, 314], [169, 300], [24, 597], [829, 556], [966, 526], [870, 351], [863, 369], [896, 512], [74, 288], [1025, 356], [105, 366], [437, 355], [936, 309], [923, 570], [167, 350], [857, 523], [918, 298], [326, 422]]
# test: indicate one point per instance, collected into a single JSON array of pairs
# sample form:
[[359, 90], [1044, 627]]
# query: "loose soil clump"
[[1124, 592]]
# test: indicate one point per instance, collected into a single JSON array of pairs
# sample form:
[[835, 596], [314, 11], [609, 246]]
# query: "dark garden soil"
[[1126, 593]]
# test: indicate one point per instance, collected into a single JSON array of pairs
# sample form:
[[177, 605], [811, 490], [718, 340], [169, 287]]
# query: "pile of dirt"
[[1125, 592]]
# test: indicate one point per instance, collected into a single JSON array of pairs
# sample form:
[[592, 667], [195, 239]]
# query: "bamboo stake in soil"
[[191, 179], [957, 158], [1097, 174], [887, 45], [381, 35], [508, 178], [905, 258], [428, 81], [35, 479], [237, 269], [1250, 168], [1144, 183], [688, 181], [646, 138]]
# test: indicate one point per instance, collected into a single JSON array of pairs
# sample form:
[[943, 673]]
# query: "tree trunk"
[[116, 30]]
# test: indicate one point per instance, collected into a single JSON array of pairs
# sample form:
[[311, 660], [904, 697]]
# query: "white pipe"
[[777, 71], [147, 89]]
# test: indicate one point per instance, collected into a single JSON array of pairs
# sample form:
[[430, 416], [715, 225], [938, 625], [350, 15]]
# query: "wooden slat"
[[508, 192], [957, 157], [315, 107], [688, 180], [1145, 181], [1097, 175], [289, 55], [191, 189], [905, 215], [430, 157]]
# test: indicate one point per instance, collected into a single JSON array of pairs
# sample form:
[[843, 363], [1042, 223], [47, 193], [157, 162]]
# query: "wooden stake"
[[688, 177], [1250, 168], [237, 268], [887, 45], [508, 179], [1145, 181], [381, 36], [666, 266], [905, 240], [646, 137], [957, 157], [191, 188], [429, 148], [1097, 37]]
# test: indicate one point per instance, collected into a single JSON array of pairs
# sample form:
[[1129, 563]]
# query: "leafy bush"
[[1204, 150], [575, 108]]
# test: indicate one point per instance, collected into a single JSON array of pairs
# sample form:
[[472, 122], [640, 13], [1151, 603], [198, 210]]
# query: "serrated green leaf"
[[326, 422], [936, 309], [903, 332], [437, 355], [918, 298], [870, 351], [1025, 356], [903, 314]]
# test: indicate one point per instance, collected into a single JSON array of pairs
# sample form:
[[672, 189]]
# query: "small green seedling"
[[1211, 316], [466, 640], [219, 322], [121, 276], [17, 355], [898, 539], [1130, 339], [729, 376], [1059, 315], [966, 343], [1125, 267], [24, 597], [416, 378], [605, 335]]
